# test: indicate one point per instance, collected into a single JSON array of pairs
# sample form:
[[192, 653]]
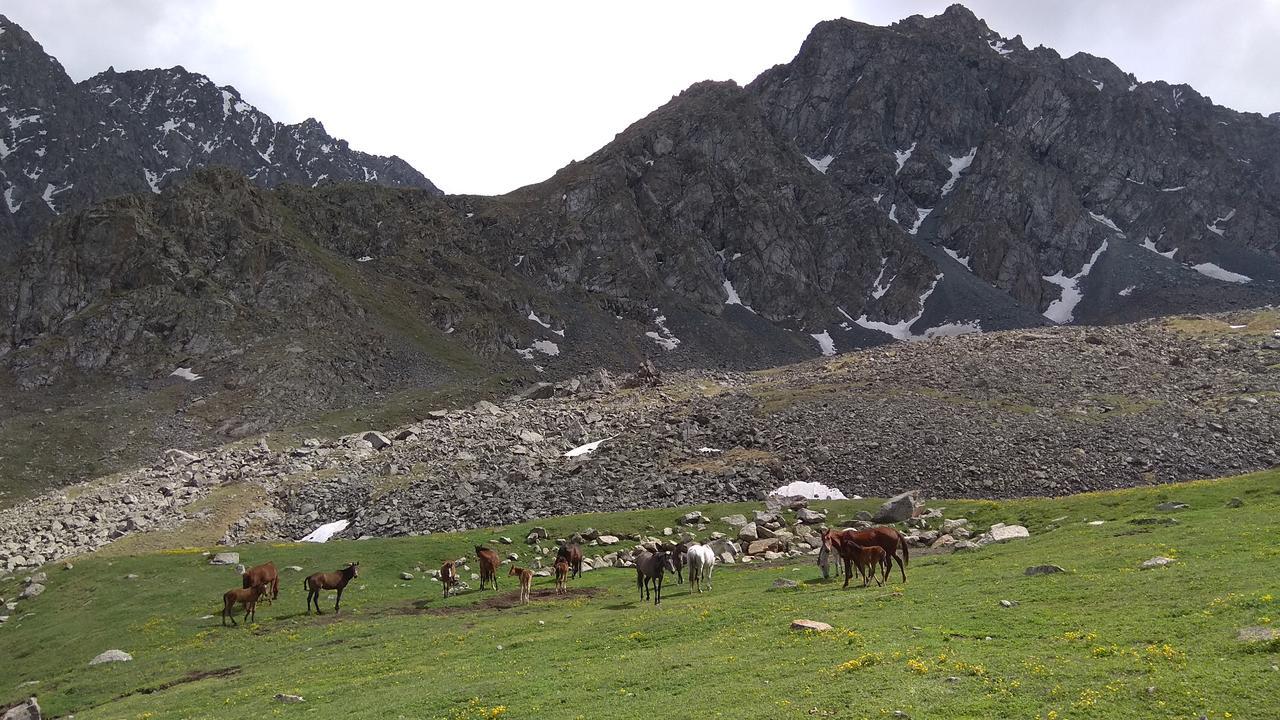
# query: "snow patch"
[[878, 290], [1217, 273], [825, 344], [1098, 84], [1219, 230], [1063, 309], [958, 165], [546, 347], [998, 46], [364, 258], [186, 374], [821, 164], [17, 122], [1148, 244], [732, 296], [50, 191], [14, 206], [534, 317], [153, 180], [956, 256], [584, 449], [921, 214], [903, 156], [808, 489], [325, 531], [1107, 221], [900, 330], [951, 329], [1174, 189], [663, 337], [1127, 291]]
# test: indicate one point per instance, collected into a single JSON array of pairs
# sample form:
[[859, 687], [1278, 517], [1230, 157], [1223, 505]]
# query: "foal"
[[448, 576], [526, 579], [562, 575], [488, 566], [248, 599], [329, 581]]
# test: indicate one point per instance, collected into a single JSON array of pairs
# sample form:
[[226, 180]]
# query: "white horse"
[[701, 561]]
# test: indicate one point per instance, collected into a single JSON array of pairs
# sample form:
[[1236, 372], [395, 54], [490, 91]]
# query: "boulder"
[[784, 584], [813, 625], [693, 518], [810, 517], [1003, 533], [607, 539], [1235, 502], [897, 508], [1043, 570], [1156, 562], [287, 698], [29, 710], [406, 576], [225, 558], [31, 591], [748, 533], [529, 436], [1258, 633], [110, 656], [734, 520], [1008, 603], [376, 439], [760, 547], [953, 524], [1171, 506]]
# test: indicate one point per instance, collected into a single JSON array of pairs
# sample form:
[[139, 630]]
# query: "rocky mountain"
[[66, 145]]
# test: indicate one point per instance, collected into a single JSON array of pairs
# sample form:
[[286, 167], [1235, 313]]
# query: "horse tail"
[[902, 543]]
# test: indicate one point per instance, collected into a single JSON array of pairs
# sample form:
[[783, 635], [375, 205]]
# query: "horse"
[[678, 553], [573, 555], [526, 579], [701, 562], [562, 575], [448, 576], [488, 566], [650, 568], [264, 574], [316, 582], [824, 562], [248, 599], [868, 558], [886, 537]]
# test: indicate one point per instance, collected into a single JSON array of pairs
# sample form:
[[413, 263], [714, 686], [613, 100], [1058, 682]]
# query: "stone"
[[529, 436], [760, 547], [1043, 570], [28, 710], [1258, 633], [810, 517], [734, 520], [1235, 502], [693, 518], [30, 591], [1155, 562], [1003, 533], [376, 439], [748, 533], [1172, 506], [406, 576], [225, 558], [898, 508], [814, 625], [607, 540], [110, 656], [287, 698], [949, 526], [1008, 603], [784, 584]]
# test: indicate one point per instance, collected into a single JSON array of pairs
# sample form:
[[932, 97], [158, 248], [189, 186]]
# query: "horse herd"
[[866, 550]]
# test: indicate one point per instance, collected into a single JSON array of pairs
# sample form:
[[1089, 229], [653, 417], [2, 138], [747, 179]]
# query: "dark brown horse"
[[571, 554], [488, 566], [246, 597], [448, 576], [649, 569], [264, 574], [329, 581], [679, 554], [883, 536]]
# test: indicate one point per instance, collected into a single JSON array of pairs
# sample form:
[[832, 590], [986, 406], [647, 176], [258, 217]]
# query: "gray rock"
[[1235, 502], [31, 591], [1258, 633], [748, 533], [225, 558], [693, 518], [28, 710], [607, 540], [735, 520], [810, 517], [406, 576], [814, 625], [1156, 562], [1043, 570], [1172, 506], [898, 508], [287, 698], [376, 439], [784, 583], [110, 656], [1008, 603]]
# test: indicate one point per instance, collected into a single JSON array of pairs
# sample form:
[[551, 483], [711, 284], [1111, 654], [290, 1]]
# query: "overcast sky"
[[484, 97]]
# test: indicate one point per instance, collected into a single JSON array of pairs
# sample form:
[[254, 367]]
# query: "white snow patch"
[[998, 46], [821, 164], [1063, 309], [588, 448], [1219, 230], [1217, 273], [1127, 291], [921, 214], [534, 317], [956, 256], [876, 198], [153, 180], [1237, 327], [825, 344], [364, 258], [808, 489], [878, 290], [546, 347], [322, 177], [186, 374], [1133, 86], [325, 531], [50, 191], [4, 149], [1174, 189], [1098, 84], [958, 165], [951, 329], [1148, 244], [903, 156], [893, 212], [1107, 221], [17, 122], [732, 296], [709, 450], [228, 105], [663, 337], [900, 330], [8, 199]]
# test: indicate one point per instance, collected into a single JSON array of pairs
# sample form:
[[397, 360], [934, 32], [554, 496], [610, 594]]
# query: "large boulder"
[[810, 517], [31, 591], [225, 558], [376, 439], [898, 508], [736, 520], [693, 518], [748, 533], [759, 547], [813, 625], [110, 656], [29, 710], [1003, 533]]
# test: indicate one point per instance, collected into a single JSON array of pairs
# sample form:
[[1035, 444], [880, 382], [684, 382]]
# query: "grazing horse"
[[248, 599], [650, 568], [264, 574], [488, 566], [448, 576], [573, 555], [886, 537], [824, 562], [701, 562], [329, 581], [562, 575], [526, 579]]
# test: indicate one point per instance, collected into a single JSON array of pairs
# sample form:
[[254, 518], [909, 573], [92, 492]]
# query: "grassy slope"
[[1103, 640]]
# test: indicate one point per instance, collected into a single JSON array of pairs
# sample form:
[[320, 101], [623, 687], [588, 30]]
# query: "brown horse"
[[562, 575], [679, 554], [869, 557], [488, 566], [573, 555], [246, 597], [448, 576], [526, 579], [650, 568], [886, 537], [264, 574], [329, 581]]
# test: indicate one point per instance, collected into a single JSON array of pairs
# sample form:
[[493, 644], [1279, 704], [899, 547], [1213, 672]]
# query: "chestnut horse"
[[248, 599], [650, 568], [886, 537], [488, 566], [264, 574], [329, 581], [562, 575], [573, 555], [526, 579], [448, 576]]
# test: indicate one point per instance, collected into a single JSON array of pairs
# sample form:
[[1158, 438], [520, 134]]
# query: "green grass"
[[1103, 640]]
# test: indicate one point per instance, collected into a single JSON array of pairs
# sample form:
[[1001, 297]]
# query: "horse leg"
[[848, 570], [337, 603], [657, 590]]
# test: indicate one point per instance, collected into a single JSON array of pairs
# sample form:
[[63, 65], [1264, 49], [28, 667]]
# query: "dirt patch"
[[190, 677]]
